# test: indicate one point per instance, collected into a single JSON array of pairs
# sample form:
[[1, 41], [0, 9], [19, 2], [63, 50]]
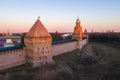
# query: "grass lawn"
[[105, 65]]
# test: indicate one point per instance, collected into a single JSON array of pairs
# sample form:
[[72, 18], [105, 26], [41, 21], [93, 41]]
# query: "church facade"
[[39, 48]]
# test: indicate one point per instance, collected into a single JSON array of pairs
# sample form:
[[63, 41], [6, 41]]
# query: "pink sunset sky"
[[58, 15]]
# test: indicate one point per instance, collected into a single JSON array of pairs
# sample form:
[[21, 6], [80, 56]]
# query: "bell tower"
[[38, 45], [77, 34]]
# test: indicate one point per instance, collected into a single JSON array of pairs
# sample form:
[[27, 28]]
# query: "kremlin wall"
[[66, 47], [39, 48]]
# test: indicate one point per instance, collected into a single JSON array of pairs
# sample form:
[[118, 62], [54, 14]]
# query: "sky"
[[59, 15]]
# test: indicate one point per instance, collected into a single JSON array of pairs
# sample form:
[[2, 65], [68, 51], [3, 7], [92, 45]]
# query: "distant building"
[[17, 39], [8, 42]]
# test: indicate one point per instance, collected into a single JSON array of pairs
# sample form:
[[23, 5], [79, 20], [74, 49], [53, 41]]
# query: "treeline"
[[104, 37], [56, 37], [59, 37]]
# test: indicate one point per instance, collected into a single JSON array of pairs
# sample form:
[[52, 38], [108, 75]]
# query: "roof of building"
[[38, 30], [11, 48], [62, 41]]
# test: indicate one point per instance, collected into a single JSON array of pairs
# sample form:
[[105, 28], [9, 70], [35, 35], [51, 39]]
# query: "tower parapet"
[[9, 41]]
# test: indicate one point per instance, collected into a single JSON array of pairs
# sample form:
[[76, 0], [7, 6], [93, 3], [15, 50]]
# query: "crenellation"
[[12, 58], [11, 52]]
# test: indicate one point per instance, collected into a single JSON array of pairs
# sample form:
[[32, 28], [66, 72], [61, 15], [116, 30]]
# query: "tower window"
[[40, 58], [42, 52], [45, 57]]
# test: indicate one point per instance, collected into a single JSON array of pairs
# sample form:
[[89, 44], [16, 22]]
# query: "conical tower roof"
[[38, 30]]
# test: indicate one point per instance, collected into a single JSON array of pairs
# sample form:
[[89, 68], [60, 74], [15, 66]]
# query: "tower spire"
[[77, 17], [38, 17], [78, 20]]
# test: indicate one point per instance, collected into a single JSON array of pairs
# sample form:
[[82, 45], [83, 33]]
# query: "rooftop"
[[38, 30]]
